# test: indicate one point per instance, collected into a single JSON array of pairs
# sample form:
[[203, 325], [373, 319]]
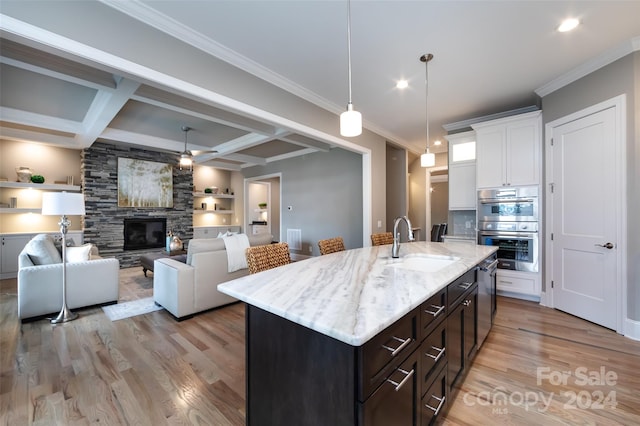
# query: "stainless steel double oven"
[[508, 219]]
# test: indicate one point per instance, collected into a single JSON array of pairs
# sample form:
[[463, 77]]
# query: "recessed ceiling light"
[[402, 84], [437, 143], [568, 25]]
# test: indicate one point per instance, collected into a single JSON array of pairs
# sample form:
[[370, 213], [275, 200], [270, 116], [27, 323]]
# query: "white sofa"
[[89, 282], [184, 289]]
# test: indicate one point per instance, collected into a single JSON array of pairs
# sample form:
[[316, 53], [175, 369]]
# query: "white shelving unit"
[[41, 186], [35, 186], [215, 197]]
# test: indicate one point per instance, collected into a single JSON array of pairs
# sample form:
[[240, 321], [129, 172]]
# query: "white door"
[[584, 217]]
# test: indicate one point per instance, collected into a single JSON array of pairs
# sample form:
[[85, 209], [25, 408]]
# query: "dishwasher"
[[486, 296]]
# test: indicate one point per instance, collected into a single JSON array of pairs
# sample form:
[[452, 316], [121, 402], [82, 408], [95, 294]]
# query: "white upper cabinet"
[[509, 151], [462, 171]]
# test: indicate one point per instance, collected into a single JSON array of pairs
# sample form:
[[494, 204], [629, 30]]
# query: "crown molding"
[[466, 124], [170, 26], [590, 66]]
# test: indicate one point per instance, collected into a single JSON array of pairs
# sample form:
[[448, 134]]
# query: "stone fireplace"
[[104, 220]]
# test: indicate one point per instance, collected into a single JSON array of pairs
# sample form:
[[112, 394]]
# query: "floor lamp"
[[63, 204]]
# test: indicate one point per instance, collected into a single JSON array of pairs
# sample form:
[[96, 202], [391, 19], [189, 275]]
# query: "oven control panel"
[[508, 226]]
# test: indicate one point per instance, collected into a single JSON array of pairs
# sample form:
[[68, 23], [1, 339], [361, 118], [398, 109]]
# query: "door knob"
[[607, 245]]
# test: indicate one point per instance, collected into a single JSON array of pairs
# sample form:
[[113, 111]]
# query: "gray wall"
[[396, 172], [325, 191], [620, 77], [417, 199]]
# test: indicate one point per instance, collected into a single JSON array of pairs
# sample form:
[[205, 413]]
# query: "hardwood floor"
[[152, 370]]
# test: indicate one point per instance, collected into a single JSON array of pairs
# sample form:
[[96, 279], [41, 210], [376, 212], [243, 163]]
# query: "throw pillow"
[[79, 254], [42, 250]]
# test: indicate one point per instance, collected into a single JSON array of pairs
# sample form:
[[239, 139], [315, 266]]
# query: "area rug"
[[130, 309]]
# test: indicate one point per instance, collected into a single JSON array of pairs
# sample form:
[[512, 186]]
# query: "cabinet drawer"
[[433, 354], [457, 289], [432, 312], [434, 402], [385, 351], [395, 401], [516, 284]]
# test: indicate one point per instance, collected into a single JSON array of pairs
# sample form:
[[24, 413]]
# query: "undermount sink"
[[422, 262]]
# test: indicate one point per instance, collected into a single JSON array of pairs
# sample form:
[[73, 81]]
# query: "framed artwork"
[[144, 183]]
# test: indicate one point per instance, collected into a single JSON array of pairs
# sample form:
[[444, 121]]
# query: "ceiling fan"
[[186, 157]]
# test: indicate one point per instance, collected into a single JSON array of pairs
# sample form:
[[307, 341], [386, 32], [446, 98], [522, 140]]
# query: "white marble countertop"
[[353, 295]]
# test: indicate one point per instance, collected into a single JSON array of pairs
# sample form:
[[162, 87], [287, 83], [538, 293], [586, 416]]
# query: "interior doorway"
[[262, 206]]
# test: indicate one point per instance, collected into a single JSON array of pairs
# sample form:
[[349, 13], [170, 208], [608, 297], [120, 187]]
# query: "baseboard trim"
[[632, 329]]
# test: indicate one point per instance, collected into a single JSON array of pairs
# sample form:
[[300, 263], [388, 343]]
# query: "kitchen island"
[[333, 339]]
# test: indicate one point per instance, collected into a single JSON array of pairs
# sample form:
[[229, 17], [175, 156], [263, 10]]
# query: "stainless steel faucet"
[[395, 248]]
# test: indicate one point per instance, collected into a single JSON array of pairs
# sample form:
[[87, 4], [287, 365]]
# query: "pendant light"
[[350, 120], [186, 158], [428, 159]]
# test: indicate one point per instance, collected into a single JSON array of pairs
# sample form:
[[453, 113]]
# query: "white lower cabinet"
[[11, 247], [213, 231], [12, 244], [525, 285]]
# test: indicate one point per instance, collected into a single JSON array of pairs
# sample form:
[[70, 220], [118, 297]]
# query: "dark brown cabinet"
[[396, 401], [436, 398], [405, 375], [462, 329]]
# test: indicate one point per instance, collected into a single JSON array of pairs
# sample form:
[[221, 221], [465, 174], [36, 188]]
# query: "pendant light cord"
[[426, 58], [349, 43]]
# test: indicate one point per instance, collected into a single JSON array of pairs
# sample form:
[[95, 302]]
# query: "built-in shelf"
[[204, 194], [41, 186], [213, 211], [4, 210]]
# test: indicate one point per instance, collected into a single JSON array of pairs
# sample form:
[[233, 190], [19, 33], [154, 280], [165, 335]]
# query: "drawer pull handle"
[[395, 351], [439, 407], [407, 374], [438, 311], [465, 286], [466, 302], [436, 358]]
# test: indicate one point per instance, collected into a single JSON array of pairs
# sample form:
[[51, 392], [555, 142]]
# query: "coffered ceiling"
[[490, 57]]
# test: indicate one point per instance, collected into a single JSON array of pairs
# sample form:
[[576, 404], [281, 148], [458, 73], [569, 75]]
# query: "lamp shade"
[[428, 159], [62, 203], [350, 122]]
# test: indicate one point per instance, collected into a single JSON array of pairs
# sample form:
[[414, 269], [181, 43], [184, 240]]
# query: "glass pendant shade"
[[186, 161], [428, 159], [350, 122]]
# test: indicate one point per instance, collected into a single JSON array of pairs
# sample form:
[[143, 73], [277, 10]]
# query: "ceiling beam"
[[243, 158], [306, 142], [32, 119], [22, 135], [247, 141], [178, 103], [105, 106]]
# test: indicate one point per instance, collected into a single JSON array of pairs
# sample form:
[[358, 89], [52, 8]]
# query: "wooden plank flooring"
[[152, 370]]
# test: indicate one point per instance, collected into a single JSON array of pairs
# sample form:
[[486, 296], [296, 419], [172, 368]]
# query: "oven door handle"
[[507, 234], [505, 200]]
